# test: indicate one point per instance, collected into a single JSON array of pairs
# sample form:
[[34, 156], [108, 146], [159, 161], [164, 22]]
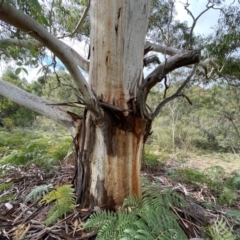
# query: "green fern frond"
[[235, 182], [220, 231], [6, 198], [53, 215], [132, 201], [150, 218], [99, 219], [110, 225], [5, 186], [39, 191], [158, 223], [233, 214], [64, 202], [166, 199]]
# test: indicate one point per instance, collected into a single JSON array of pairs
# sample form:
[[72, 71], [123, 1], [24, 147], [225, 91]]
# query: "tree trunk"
[[109, 149]]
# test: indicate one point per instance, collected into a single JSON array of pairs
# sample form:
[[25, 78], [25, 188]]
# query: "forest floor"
[[21, 219]]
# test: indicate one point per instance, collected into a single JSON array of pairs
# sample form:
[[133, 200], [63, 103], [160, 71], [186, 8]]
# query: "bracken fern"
[[64, 202], [148, 218], [220, 231]]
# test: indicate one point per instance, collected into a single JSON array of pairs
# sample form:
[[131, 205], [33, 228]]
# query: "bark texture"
[[109, 157]]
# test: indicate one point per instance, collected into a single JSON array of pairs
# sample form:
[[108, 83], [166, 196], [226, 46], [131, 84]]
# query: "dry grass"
[[228, 161]]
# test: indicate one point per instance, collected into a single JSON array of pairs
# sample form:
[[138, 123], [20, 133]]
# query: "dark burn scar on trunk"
[[113, 121]]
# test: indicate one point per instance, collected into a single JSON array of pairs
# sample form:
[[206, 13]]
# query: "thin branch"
[[81, 21], [173, 62], [166, 87], [195, 21], [175, 95]]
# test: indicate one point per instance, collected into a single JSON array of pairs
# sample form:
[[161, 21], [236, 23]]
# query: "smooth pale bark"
[[118, 30], [36, 104], [111, 157]]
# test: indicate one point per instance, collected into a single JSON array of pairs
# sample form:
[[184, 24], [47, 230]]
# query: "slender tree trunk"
[[109, 149]]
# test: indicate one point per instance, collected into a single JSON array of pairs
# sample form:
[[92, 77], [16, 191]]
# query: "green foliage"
[[235, 214], [38, 192], [210, 123], [110, 225], [213, 179], [227, 196], [147, 218], [5, 196], [64, 202], [234, 180], [5, 186], [151, 160], [8, 123], [12, 114], [191, 176], [33, 147], [219, 230]]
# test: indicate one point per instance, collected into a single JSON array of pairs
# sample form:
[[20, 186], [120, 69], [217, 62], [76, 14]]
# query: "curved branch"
[[80, 23], [80, 61], [175, 95], [171, 51], [16, 18], [174, 62], [151, 59], [35, 103]]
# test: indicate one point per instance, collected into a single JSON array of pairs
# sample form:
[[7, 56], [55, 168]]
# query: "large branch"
[[16, 18], [36, 104], [149, 46], [80, 61], [173, 62]]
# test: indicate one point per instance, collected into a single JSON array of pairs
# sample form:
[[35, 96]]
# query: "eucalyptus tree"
[[110, 135]]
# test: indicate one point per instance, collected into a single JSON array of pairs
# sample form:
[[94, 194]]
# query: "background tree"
[[109, 137]]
